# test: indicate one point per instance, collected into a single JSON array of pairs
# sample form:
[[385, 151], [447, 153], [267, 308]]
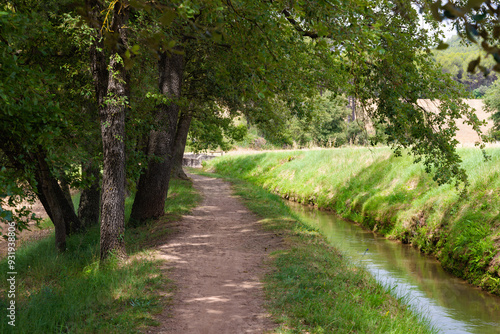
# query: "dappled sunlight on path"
[[216, 260]]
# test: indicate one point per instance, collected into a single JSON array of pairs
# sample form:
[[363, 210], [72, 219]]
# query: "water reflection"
[[451, 304]]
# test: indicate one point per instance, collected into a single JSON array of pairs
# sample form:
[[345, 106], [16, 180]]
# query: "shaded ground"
[[216, 260], [34, 233]]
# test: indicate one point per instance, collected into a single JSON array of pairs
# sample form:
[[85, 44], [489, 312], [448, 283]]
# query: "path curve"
[[215, 260]]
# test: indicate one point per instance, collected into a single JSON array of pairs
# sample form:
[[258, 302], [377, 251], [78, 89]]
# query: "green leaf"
[[471, 31], [167, 18], [475, 3], [442, 46], [6, 215], [452, 12], [135, 49], [479, 18], [435, 11]]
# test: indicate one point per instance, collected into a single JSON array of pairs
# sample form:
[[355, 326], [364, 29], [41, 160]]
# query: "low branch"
[[297, 26]]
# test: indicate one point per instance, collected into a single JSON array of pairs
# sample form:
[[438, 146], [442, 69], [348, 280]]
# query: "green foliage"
[[492, 103], [73, 292], [479, 92], [455, 59], [12, 196], [211, 130], [266, 60], [395, 197], [325, 121], [476, 23], [38, 109]]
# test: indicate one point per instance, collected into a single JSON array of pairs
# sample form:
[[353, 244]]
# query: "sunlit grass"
[[395, 197]]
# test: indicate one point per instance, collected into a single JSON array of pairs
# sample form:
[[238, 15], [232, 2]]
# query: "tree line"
[[100, 95], [455, 59]]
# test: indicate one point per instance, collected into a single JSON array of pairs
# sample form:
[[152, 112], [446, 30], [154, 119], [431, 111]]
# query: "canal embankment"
[[395, 197]]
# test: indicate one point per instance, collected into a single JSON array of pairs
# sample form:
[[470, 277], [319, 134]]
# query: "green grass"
[[395, 197], [313, 288], [71, 293]]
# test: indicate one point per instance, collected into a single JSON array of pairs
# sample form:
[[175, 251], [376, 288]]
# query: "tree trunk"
[[153, 184], [46, 189], [66, 191], [112, 116], [71, 221], [89, 206], [88, 209], [43, 176], [113, 179], [180, 144]]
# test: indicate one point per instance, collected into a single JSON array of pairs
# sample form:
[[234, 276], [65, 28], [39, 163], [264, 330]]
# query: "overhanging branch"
[[297, 26]]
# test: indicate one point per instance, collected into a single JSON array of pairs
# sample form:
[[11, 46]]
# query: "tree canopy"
[[119, 73]]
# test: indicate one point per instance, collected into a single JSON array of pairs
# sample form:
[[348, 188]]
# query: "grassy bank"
[[313, 288], [395, 197], [71, 293]]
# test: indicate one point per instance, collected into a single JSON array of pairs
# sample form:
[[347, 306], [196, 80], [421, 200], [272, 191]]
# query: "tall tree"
[[112, 116], [36, 112], [153, 183]]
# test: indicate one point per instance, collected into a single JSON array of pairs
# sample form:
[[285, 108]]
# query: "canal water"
[[450, 304]]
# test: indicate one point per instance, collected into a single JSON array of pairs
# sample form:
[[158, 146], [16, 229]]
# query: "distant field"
[[465, 134]]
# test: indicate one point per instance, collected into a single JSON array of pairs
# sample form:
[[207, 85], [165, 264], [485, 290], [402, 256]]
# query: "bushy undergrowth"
[[395, 197], [71, 293], [313, 288]]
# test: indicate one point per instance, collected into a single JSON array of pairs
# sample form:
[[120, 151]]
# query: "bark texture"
[[180, 144], [88, 209], [153, 183], [47, 189], [112, 116], [66, 191], [113, 179], [53, 197]]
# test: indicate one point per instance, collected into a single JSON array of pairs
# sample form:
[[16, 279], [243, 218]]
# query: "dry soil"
[[216, 261]]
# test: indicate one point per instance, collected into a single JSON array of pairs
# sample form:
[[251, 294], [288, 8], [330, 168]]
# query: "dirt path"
[[216, 260]]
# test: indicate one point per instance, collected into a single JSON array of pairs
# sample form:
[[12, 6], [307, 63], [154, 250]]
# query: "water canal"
[[452, 305]]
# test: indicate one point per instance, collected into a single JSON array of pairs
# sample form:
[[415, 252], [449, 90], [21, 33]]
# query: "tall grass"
[[71, 293], [393, 196]]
